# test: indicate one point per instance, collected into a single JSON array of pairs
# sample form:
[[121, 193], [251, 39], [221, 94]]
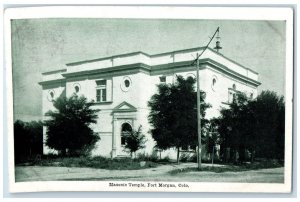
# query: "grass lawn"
[[228, 168], [93, 162], [101, 169], [136, 164]]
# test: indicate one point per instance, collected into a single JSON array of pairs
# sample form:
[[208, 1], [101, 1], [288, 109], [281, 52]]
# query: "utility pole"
[[198, 115], [198, 96]]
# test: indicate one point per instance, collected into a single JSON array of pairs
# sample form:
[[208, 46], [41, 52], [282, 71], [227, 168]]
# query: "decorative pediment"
[[124, 107]]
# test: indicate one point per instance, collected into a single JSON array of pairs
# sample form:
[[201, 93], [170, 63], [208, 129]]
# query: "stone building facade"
[[121, 86]]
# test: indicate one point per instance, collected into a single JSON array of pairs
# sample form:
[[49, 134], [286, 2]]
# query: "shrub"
[[28, 140]]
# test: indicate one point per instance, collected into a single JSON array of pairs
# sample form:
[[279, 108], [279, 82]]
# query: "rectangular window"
[[98, 95], [101, 91], [101, 83], [232, 96]]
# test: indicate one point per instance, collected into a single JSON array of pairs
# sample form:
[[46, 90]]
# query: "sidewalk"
[[160, 173], [44, 173]]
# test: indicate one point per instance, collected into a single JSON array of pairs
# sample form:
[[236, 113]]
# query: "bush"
[[28, 140], [94, 162], [135, 140]]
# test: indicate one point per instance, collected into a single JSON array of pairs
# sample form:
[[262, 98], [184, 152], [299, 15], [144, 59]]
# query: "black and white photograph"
[[153, 102]]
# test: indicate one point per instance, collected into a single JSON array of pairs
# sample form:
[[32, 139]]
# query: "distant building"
[[121, 86]]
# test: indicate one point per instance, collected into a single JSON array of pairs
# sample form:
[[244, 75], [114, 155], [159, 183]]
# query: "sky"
[[41, 45]]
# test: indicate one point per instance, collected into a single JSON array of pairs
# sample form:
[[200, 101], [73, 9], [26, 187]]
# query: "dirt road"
[[160, 173]]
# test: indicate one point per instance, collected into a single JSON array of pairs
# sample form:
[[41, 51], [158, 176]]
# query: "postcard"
[[149, 99]]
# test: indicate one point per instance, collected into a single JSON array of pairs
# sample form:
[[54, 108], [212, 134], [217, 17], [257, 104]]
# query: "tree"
[[254, 125], [28, 139], [173, 114], [236, 128], [270, 124], [68, 129], [135, 140]]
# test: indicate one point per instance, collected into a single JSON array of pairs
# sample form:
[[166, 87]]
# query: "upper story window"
[[51, 95], [191, 75], [234, 87], [234, 97], [214, 83], [231, 96], [163, 79], [76, 88], [101, 91], [126, 84], [251, 95]]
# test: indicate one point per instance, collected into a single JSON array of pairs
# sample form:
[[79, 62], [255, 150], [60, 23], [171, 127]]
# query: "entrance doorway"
[[126, 129]]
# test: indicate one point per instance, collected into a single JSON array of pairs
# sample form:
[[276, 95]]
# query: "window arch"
[[214, 83], [126, 84], [76, 88], [193, 76], [234, 87], [126, 129], [251, 95], [51, 95]]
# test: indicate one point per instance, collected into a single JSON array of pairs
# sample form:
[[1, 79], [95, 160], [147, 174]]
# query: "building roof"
[[181, 60], [157, 55]]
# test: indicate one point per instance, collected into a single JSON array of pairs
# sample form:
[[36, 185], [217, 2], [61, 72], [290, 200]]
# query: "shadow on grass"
[[228, 168]]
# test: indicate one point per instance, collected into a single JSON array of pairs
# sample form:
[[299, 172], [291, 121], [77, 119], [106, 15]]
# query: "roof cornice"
[[153, 70], [212, 63], [139, 66], [232, 61], [54, 71], [106, 58], [228, 71], [157, 55], [50, 82]]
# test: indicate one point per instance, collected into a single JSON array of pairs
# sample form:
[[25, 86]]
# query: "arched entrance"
[[124, 117], [126, 129]]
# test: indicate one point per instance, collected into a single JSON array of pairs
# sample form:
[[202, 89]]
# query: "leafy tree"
[[28, 139], [236, 128], [135, 140], [270, 124], [173, 114], [255, 125], [68, 129]]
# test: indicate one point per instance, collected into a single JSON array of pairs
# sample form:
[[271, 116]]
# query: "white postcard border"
[[242, 13]]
